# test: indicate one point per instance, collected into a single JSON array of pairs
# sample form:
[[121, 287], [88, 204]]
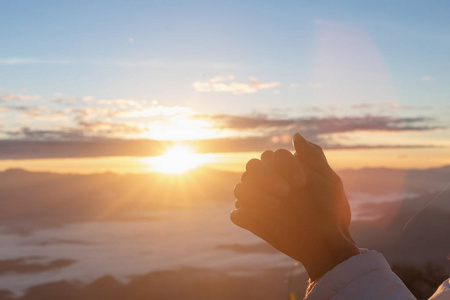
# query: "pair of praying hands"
[[297, 203]]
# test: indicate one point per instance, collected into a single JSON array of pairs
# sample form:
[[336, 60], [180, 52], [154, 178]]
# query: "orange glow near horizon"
[[420, 158], [177, 159]]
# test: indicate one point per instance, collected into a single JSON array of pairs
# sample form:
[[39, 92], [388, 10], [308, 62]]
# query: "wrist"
[[324, 256]]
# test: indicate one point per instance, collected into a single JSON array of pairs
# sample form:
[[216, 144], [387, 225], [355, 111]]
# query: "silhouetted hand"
[[298, 205]]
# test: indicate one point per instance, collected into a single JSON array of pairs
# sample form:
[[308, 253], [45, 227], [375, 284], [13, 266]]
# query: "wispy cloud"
[[387, 105], [18, 97], [226, 84], [427, 78], [314, 85], [147, 63], [324, 125], [27, 111], [87, 118], [83, 131], [27, 60]]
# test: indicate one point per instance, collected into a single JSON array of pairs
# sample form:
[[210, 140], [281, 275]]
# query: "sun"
[[178, 159]]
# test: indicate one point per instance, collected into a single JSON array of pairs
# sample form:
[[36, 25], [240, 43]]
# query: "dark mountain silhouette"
[[104, 288], [186, 283], [51, 291], [6, 295]]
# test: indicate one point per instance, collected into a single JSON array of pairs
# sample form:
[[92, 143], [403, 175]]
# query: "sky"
[[360, 78]]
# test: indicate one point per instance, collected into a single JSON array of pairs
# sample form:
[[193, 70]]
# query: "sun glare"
[[178, 159]]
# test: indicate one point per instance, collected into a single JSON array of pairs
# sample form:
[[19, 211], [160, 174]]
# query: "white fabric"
[[365, 276], [443, 292]]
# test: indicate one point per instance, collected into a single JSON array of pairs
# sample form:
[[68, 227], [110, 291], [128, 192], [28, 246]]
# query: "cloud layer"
[[33, 127], [324, 125]]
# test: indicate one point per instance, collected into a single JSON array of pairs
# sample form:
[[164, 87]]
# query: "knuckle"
[[237, 204], [238, 189], [244, 177], [234, 217], [253, 164], [284, 159], [338, 181], [266, 155], [282, 153]]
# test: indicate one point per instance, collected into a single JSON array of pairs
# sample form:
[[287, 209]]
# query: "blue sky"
[[258, 59], [272, 40]]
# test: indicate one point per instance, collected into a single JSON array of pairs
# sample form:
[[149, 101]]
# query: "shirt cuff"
[[353, 271]]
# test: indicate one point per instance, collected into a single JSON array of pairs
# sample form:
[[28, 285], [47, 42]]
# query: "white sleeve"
[[443, 292], [365, 276]]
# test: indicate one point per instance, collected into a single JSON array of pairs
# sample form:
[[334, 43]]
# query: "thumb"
[[310, 154]]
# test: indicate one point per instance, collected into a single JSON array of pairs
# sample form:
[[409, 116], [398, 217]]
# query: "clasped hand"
[[297, 203]]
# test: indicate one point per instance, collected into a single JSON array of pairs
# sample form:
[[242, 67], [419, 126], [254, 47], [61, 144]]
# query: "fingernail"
[[298, 138], [273, 202], [299, 179], [282, 189]]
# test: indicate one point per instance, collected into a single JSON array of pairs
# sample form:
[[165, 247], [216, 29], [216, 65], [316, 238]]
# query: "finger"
[[251, 196], [267, 158], [289, 168], [310, 155], [260, 175], [249, 178], [244, 217], [237, 204]]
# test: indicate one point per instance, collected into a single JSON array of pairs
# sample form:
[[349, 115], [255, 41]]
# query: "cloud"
[[224, 84], [35, 113], [76, 146], [294, 85], [324, 125], [427, 78], [314, 85], [87, 117], [28, 111], [364, 106], [155, 63], [154, 112], [387, 105], [70, 101], [28, 265], [18, 97], [120, 108], [111, 128], [27, 60], [27, 133], [84, 130]]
